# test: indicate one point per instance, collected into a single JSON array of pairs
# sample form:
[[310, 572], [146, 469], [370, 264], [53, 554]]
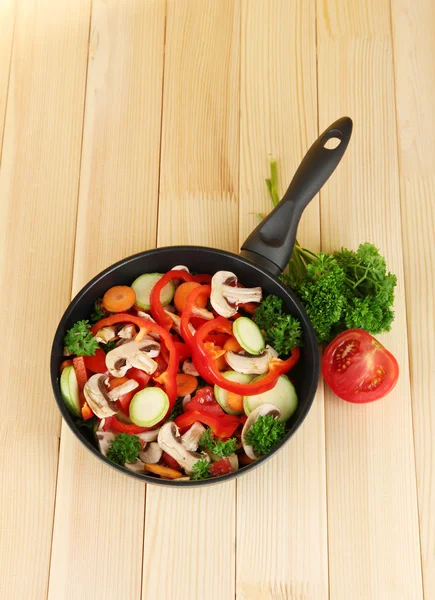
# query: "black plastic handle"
[[271, 243]]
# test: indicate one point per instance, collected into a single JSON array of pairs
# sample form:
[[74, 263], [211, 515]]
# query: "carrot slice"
[[182, 293], [235, 401], [186, 384], [163, 471], [86, 412], [65, 364], [232, 345], [119, 299]]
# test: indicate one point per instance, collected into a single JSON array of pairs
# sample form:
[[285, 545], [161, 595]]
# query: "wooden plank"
[[414, 48], [38, 191], [281, 507], [7, 16], [189, 534], [99, 513], [372, 506]]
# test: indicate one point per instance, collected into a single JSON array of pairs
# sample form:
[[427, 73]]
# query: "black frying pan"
[[264, 255]]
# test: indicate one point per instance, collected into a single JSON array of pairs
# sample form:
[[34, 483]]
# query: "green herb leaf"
[[281, 330], [108, 346], [265, 434], [98, 313], [200, 470], [217, 445], [80, 341], [177, 410], [125, 447]]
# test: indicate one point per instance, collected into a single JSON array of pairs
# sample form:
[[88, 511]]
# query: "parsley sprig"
[[79, 339]]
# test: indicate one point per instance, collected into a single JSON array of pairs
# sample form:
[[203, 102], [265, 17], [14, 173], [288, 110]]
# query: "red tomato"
[[124, 401], [169, 461], [221, 467], [358, 368], [140, 376], [205, 401], [96, 363]]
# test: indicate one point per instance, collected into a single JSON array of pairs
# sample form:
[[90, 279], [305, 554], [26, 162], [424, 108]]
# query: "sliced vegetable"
[[125, 399], [140, 376], [119, 298], [149, 406], [86, 412], [193, 300], [249, 336], [80, 371], [96, 363], [70, 390], [182, 293], [220, 467], [117, 425], [169, 461], [358, 368], [205, 401], [222, 427], [143, 286], [282, 395], [165, 472], [231, 402], [232, 345], [64, 364], [156, 301], [186, 384]]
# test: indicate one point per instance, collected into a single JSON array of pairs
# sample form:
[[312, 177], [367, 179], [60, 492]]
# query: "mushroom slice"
[[260, 411], [145, 315], [181, 268], [251, 365], [187, 398], [149, 436], [190, 439], [127, 332], [225, 296], [104, 439], [234, 461], [151, 454], [122, 389], [176, 322], [136, 467], [98, 397], [189, 368], [106, 334], [133, 354], [169, 441]]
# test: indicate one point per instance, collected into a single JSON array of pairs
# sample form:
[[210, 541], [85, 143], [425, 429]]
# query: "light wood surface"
[[135, 123]]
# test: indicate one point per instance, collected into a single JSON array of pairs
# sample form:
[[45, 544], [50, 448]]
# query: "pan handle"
[[271, 243]]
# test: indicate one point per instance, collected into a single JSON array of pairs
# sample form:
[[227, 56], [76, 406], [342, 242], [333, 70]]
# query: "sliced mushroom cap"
[[202, 313], [149, 436], [147, 317], [133, 354], [151, 454], [169, 441], [98, 397], [127, 332], [225, 296], [234, 461], [106, 334], [187, 398], [104, 439], [136, 467], [181, 268], [251, 365], [190, 439], [260, 411], [189, 368], [177, 320], [122, 389]]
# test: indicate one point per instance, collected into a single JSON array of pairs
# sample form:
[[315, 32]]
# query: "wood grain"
[[414, 49], [189, 548], [281, 507], [38, 191], [99, 513], [372, 506], [7, 17]]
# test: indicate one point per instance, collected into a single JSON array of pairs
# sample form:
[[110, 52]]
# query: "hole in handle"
[[332, 143]]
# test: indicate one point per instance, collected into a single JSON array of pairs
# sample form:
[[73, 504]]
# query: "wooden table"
[[130, 124]]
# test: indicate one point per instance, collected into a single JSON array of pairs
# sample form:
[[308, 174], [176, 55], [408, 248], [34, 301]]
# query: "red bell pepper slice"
[[96, 363], [222, 427], [140, 377], [205, 401], [202, 278], [120, 427], [80, 371], [168, 377], [205, 362], [169, 461], [157, 310], [183, 351], [191, 303], [86, 411], [220, 467]]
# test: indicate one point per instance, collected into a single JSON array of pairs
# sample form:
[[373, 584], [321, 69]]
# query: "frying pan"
[[263, 256]]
